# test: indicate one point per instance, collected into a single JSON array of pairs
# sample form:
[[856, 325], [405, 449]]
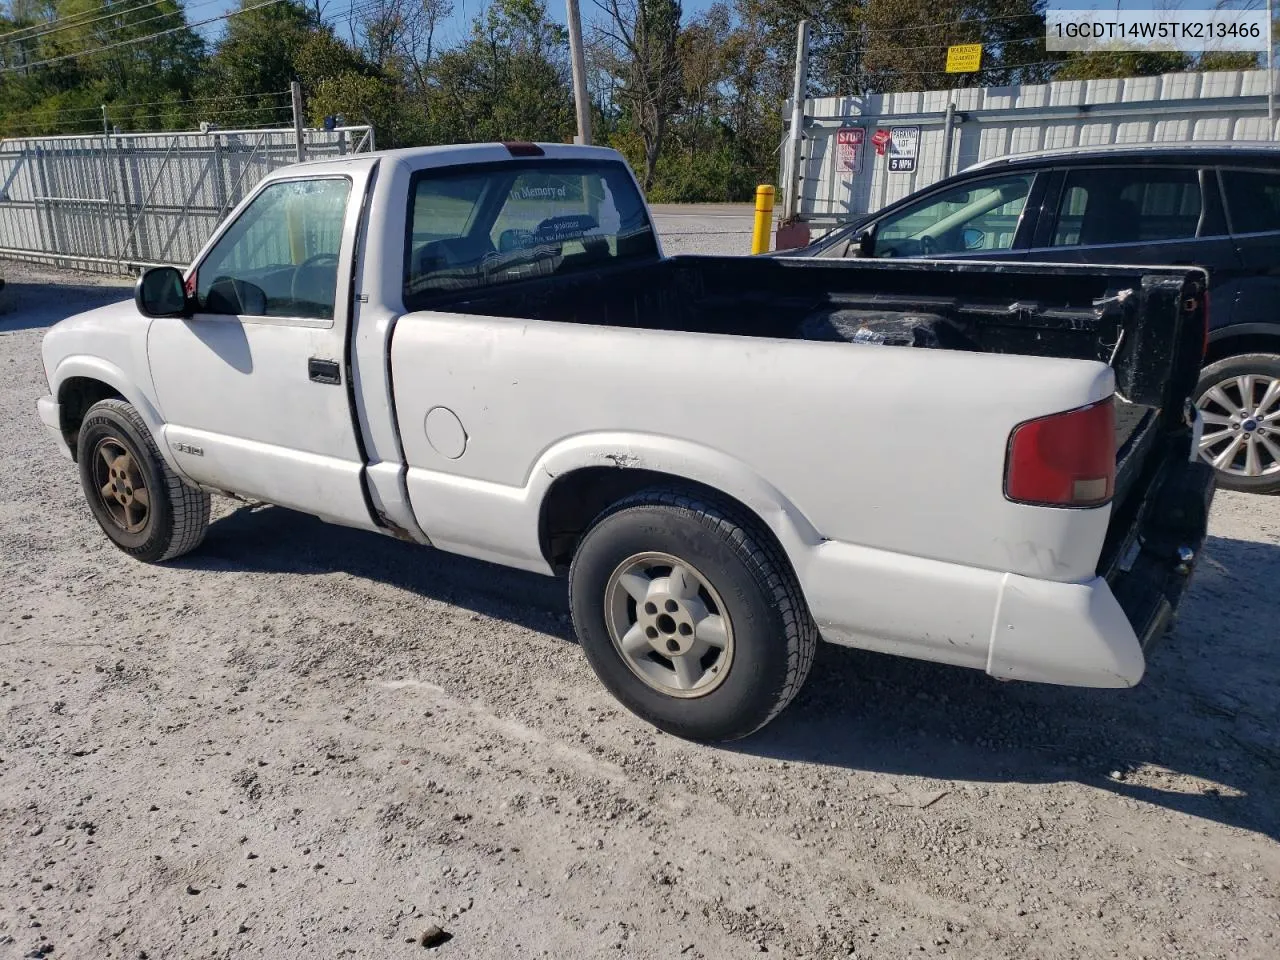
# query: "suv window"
[[1253, 200], [505, 222], [973, 218], [280, 257], [1117, 205]]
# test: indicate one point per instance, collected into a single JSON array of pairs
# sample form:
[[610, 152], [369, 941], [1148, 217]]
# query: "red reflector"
[[521, 148], [1066, 460]]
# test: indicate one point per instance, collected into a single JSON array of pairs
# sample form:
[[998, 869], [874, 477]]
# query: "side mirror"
[[865, 242], [973, 238], [160, 293]]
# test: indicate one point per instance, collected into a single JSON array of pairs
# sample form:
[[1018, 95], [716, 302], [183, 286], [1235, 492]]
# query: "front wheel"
[[1239, 399], [142, 506], [689, 616]]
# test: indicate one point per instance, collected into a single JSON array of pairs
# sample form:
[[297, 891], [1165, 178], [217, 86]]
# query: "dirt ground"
[[304, 741]]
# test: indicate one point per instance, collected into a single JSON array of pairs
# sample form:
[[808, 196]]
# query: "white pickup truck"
[[482, 349]]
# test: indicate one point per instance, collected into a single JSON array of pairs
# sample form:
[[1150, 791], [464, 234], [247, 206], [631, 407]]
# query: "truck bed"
[[1145, 323]]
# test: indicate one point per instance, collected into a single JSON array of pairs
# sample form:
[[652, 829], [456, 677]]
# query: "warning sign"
[[903, 148], [849, 142], [964, 58]]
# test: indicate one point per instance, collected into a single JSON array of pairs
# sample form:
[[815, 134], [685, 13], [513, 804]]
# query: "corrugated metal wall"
[[130, 199], [994, 121]]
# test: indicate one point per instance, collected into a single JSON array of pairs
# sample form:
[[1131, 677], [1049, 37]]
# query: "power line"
[[860, 31], [68, 18], [133, 40], [105, 32], [1002, 43], [57, 26]]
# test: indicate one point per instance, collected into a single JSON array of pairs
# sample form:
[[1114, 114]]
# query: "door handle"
[[324, 371]]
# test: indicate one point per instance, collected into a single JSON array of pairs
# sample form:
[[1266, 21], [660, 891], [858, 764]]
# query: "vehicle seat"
[[1115, 221], [450, 263]]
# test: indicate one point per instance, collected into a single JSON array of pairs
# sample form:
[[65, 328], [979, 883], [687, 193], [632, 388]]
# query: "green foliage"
[[66, 95], [694, 102], [509, 81]]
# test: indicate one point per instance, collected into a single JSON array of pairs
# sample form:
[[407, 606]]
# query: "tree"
[[643, 37], [61, 60], [509, 81]]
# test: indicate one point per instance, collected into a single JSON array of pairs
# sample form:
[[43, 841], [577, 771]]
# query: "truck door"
[[253, 388]]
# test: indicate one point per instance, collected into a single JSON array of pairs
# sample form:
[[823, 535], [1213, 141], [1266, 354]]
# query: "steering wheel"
[[315, 260]]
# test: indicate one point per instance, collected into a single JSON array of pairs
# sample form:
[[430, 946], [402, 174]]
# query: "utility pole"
[[581, 102], [295, 89], [799, 86]]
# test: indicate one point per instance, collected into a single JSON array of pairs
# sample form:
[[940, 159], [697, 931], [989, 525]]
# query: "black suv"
[[1212, 205]]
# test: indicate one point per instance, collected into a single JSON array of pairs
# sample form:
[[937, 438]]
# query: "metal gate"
[[120, 201]]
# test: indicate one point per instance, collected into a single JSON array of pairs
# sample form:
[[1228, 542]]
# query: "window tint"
[[1253, 200], [1113, 205], [280, 257], [975, 218], [513, 221]]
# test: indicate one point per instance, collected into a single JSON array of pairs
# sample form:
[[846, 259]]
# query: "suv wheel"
[[1239, 398]]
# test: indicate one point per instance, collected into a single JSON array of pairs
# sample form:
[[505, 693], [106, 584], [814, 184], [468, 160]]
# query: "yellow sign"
[[964, 58]]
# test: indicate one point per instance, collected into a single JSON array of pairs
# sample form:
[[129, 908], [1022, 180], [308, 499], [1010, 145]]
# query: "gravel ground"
[[720, 228], [304, 741]]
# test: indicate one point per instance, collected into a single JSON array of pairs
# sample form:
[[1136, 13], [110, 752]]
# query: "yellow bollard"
[[764, 219]]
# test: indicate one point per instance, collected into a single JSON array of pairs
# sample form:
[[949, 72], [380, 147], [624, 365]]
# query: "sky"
[[455, 29]]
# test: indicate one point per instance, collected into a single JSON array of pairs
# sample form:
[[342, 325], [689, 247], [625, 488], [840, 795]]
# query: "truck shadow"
[[1200, 735], [266, 539]]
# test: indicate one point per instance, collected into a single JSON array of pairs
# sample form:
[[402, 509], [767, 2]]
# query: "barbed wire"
[[35, 128]]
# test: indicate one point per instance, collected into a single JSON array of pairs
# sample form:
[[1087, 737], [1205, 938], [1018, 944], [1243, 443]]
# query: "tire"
[[118, 459], [1238, 440], [729, 571]]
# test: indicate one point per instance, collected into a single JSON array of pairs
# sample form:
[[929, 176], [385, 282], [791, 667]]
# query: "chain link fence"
[[121, 201]]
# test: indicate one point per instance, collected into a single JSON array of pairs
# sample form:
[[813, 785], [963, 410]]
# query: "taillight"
[[1064, 460]]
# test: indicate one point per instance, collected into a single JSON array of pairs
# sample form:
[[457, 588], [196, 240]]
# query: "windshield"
[[498, 223]]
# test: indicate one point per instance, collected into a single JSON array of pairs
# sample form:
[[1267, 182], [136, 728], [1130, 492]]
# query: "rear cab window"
[[493, 224]]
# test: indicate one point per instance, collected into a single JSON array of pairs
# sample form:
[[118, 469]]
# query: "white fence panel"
[[996, 121], [126, 200]]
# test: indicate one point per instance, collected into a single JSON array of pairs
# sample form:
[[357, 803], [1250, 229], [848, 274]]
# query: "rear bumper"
[[1012, 627], [50, 412]]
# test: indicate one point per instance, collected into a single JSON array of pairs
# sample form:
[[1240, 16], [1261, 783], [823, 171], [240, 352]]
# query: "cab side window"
[[280, 257], [979, 217], [1117, 205], [1253, 200]]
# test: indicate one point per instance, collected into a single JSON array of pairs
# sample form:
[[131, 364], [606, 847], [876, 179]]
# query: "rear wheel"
[[141, 505], [690, 616], [1239, 399]]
